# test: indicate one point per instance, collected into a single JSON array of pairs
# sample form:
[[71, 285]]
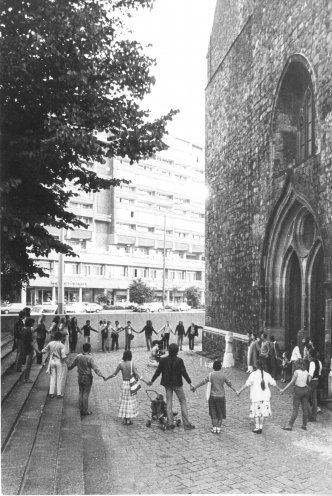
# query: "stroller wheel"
[[178, 422], [148, 423]]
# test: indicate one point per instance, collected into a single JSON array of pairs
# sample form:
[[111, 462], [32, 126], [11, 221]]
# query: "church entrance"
[[293, 274]]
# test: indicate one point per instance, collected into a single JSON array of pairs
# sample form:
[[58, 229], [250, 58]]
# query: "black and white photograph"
[[166, 247]]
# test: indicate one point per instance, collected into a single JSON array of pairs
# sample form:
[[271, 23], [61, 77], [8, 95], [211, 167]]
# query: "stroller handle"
[[150, 391]]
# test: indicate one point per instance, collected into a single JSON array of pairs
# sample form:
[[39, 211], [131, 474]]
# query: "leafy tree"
[[192, 295], [139, 292], [69, 76], [104, 299]]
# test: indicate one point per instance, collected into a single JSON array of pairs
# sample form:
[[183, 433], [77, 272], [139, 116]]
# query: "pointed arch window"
[[305, 129]]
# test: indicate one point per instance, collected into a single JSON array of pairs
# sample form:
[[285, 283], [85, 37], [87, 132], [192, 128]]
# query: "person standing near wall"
[[166, 331], [115, 335], [129, 336], [180, 331], [87, 330], [73, 334], [148, 329], [191, 333], [254, 350]]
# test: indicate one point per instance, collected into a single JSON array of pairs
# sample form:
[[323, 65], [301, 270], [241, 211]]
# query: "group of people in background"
[[30, 339], [300, 365]]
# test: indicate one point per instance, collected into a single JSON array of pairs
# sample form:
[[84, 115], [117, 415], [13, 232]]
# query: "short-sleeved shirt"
[[85, 364], [86, 330]]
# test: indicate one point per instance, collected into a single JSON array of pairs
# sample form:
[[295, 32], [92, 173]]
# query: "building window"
[[86, 270], [305, 133], [72, 268], [97, 270]]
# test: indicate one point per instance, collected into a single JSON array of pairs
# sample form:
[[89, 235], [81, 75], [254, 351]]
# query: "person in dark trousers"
[[148, 329], [172, 369], [40, 337], [315, 370], [180, 331], [191, 333], [73, 334], [129, 336], [18, 343], [28, 347], [86, 331], [273, 357], [85, 365], [115, 335]]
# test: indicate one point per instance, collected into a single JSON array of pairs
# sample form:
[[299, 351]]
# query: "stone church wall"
[[244, 175]]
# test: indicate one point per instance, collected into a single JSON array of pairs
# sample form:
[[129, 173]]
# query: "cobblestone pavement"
[[136, 459]]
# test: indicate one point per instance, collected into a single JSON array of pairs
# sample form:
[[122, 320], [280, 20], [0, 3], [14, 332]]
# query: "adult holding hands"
[[172, 370]]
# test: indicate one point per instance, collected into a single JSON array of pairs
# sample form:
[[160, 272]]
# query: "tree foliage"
[[193, 295], [139, 292], [69, 75]]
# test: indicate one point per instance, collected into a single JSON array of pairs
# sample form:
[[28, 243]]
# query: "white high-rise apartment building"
[[135, 231]]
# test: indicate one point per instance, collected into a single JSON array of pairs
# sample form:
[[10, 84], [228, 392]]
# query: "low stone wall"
[[138, 321], [214, 341]]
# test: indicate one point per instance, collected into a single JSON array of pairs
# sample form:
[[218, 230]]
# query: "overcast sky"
[[179, 31]]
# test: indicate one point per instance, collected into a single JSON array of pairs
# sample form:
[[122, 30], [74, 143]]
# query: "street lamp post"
[[164, 261]]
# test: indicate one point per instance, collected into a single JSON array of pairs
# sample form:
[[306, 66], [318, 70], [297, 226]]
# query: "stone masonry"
[[269, 214]]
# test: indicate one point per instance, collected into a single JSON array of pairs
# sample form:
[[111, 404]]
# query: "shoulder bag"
[[133, 382], [208, 389]]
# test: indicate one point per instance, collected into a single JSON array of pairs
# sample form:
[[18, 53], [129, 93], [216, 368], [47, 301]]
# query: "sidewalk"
[[136, 459]]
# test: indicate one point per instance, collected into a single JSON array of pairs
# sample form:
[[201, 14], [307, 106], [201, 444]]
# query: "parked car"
[[181, 307], [153, 306], [76, 308], [44, 309], [12, 308], [92, 307]]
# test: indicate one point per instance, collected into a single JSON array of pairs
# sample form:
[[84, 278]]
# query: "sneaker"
[[287, 428], [189, 427]]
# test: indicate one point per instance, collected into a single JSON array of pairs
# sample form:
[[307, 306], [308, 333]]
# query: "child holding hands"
[[260, 394], [217, 401]]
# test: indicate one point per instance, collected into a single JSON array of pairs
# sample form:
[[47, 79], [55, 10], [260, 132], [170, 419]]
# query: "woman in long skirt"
[[128, 408]]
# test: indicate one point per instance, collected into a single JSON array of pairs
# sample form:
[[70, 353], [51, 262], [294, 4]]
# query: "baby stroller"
[[158, 411]]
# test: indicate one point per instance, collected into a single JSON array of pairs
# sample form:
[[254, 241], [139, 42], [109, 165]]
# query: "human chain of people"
[[263, 360]]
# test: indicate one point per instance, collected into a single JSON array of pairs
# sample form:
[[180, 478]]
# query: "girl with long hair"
[[128, 408], [260, 394]]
